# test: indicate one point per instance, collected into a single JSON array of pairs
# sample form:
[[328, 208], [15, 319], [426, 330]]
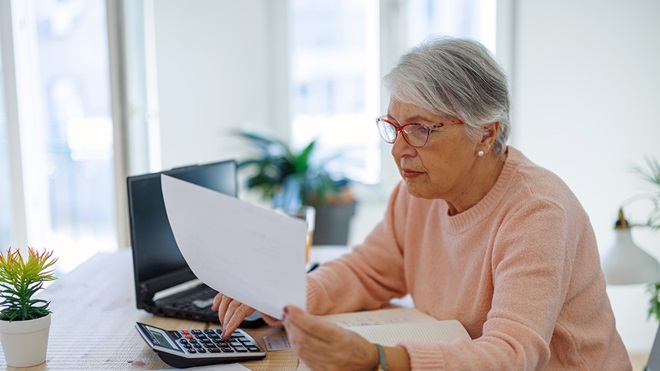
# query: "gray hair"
[[457, 77]]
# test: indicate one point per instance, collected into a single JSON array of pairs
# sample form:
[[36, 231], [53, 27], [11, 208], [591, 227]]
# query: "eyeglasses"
[[414, 134]]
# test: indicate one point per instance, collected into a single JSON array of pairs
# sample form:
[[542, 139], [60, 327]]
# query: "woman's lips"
[[407, 173]]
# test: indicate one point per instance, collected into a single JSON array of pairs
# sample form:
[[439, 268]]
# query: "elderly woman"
[[475, 232]]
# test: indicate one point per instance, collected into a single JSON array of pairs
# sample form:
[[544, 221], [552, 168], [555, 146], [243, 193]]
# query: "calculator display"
[[162, 340]]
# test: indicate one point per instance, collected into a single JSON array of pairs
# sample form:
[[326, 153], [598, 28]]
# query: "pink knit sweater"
[[520, 270]]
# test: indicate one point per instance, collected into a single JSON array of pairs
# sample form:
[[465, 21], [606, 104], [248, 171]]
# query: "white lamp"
[[624, 263]]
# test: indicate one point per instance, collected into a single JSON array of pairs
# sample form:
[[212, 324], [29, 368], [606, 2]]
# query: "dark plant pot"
[[333, 223]]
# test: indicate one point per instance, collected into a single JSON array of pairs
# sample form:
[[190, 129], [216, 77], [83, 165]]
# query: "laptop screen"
[[158, 263]]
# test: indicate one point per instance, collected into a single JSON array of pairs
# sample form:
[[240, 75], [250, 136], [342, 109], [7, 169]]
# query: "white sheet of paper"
[[247, 252]]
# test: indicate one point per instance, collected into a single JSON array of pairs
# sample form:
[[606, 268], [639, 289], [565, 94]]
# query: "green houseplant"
[[24, 319], [291, 179], [285, 176], [652, 175]]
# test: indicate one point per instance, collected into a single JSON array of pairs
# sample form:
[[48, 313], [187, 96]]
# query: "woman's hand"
[[231, 313], [326, 346]]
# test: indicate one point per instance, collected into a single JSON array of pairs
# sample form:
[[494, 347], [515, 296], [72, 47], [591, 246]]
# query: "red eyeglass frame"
[[400, 128]]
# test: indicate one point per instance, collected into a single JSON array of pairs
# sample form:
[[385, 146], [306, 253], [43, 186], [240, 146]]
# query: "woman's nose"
[[401, 148]]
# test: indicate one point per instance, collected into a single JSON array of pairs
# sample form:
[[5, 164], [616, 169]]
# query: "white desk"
[[94, 315]]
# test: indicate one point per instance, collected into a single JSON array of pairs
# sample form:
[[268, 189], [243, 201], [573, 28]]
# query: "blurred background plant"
[[652, 174], [286, 177], [291, 179]]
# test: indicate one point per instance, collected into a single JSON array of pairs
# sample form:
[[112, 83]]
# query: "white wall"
[[217, 63], [586, 86]]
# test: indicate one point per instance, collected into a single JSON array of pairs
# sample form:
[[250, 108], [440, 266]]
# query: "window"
[[65, 163], [5, 200], [475, 19], [66, 129], [334, 59], [333, 51]]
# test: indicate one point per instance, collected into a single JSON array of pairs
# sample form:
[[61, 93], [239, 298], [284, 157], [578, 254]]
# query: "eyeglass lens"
[[416, 135]]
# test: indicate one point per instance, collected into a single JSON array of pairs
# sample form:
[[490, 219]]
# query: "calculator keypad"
[[209, 341]]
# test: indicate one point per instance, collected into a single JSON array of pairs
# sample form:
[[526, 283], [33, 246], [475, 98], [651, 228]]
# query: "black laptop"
[[164, 284]]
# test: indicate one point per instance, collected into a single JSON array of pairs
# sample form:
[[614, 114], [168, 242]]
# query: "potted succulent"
[[24, 319], [291, 179]]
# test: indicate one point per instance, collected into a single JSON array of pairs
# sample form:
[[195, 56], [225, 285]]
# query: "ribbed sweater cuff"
[[313, 296], [424, 356]]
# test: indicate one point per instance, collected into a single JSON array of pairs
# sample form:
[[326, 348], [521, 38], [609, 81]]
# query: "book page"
[[391, 325], [438, 332], [379, 317]]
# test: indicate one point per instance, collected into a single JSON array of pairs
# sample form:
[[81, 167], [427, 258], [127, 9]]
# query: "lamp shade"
[[624, 263]]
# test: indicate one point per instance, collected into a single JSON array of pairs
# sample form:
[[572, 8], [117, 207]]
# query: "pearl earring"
[[480, 153]]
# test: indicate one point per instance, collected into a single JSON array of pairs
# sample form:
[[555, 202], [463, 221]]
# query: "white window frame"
[[28, 200]]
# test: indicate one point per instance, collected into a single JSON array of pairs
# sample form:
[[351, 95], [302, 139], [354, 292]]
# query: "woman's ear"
[[490, 133]]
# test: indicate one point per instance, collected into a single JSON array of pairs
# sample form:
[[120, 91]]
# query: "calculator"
[[189, 348]]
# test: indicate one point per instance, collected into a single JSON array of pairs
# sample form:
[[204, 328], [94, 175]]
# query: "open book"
[[391, 325]]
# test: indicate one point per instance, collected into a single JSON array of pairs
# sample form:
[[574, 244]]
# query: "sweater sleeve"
[[534, 250], [367, 277]]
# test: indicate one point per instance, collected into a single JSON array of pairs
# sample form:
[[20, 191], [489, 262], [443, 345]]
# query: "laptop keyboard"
[[198, 301], [197, 305]]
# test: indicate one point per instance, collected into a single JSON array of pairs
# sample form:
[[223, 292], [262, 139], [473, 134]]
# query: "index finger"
[[216, 301]]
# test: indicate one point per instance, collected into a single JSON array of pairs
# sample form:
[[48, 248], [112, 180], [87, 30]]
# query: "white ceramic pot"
[[25, 343]]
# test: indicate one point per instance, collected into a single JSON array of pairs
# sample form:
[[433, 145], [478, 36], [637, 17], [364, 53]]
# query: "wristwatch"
[[382, 362]]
